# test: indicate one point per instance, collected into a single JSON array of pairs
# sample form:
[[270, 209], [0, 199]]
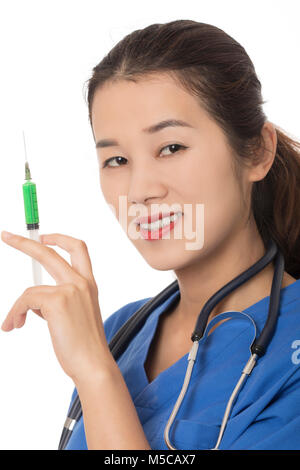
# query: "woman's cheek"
[[220, 211]]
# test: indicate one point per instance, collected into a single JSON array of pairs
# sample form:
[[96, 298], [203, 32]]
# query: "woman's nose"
[[145, 184]]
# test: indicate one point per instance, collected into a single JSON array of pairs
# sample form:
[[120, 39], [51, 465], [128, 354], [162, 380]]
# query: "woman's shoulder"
[[290, 299], [117, 319], [283, 353], [288, 323]]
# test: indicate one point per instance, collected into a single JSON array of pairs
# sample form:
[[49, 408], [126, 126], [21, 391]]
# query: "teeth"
[[161, 223]]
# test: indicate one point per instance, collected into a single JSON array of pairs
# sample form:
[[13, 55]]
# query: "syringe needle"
[[27, 170]]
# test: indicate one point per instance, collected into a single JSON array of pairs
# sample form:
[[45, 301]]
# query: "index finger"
[[54, 264], [77, 249]]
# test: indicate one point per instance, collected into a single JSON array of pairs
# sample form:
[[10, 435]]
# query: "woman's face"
[[149, 172]]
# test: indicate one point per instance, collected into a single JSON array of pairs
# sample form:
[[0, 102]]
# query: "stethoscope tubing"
[[125, 334]]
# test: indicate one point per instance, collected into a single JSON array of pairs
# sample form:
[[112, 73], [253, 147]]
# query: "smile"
[[157, 229]]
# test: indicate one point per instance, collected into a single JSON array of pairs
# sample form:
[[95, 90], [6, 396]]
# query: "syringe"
[[31, 216]]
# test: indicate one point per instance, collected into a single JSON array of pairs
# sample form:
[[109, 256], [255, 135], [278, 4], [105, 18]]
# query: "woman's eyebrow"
[[149, 130]]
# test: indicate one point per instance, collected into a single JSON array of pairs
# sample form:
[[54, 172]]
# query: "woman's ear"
[[267, 153]]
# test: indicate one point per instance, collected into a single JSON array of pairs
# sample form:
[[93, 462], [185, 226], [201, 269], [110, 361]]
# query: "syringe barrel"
[[31, 205]]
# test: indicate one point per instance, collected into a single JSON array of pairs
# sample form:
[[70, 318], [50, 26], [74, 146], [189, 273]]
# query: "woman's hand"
[[71, 308]]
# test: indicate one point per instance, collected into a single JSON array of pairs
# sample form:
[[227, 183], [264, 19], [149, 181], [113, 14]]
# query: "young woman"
[[177, 118]]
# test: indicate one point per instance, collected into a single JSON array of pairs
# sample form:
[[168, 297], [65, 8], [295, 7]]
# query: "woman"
[[176, 113]]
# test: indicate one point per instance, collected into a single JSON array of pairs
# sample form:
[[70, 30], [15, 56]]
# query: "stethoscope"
[[125, 334]]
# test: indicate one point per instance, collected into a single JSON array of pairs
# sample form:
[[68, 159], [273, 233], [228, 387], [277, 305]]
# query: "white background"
[[48, 50]]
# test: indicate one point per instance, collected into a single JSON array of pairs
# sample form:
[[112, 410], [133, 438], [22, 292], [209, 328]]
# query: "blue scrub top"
[[266, 414]]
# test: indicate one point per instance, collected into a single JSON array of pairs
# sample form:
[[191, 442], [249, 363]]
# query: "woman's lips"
[[154, 217], [159, 233]]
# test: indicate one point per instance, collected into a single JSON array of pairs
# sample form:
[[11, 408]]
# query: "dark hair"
[[216, 69]]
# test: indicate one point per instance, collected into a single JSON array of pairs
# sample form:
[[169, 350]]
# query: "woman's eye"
[[175, 148], [173, 145], [110, 160]]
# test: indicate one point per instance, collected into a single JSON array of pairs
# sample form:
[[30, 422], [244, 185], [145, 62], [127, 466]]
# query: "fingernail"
[[6, 235]]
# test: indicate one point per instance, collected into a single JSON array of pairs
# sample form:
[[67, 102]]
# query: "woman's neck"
[[198, 283]]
